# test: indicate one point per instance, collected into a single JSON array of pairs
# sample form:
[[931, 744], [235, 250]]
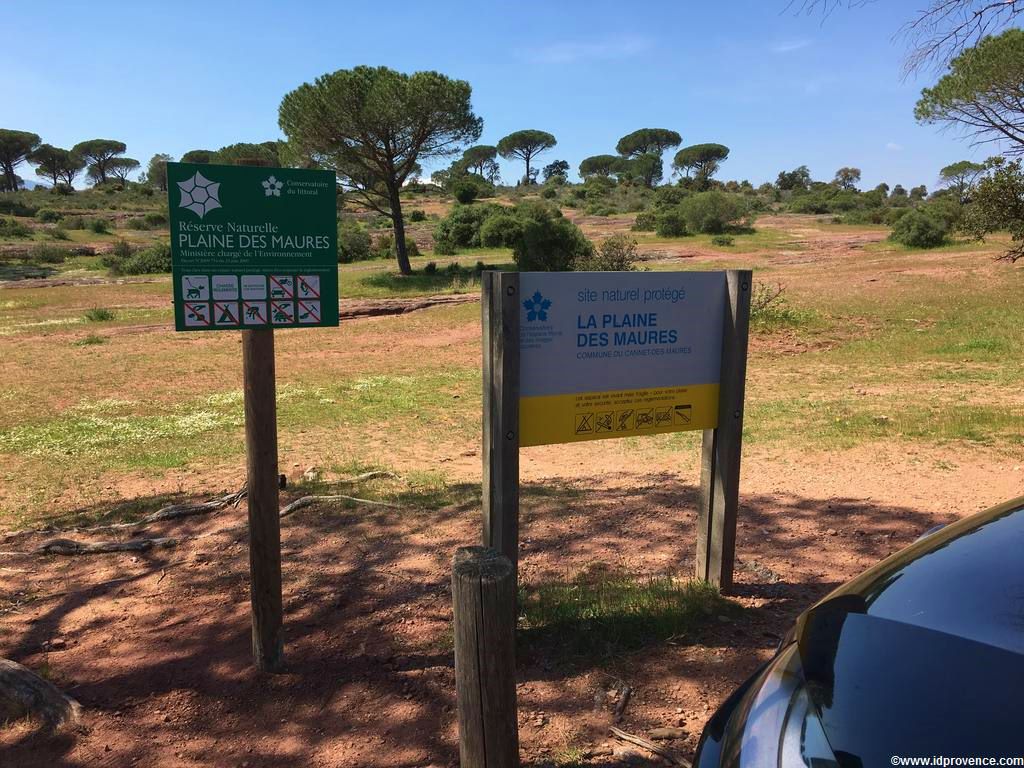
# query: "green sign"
[[252, 247]]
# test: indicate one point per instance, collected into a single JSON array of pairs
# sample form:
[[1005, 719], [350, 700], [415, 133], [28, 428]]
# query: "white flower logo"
[[199, 194], [272, 187]]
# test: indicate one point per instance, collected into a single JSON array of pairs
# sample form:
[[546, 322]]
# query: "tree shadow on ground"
[[157, 646]]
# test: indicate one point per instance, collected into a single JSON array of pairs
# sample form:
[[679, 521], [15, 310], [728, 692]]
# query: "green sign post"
[[254, 249]]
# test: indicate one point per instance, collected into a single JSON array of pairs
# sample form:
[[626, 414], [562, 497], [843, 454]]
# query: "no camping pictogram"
[[225, 312], [308, 286], [584, 423], [197, 314], [282, 312], [282, 287], [309, 311]]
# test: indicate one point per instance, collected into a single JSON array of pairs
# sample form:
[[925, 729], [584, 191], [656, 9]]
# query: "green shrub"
[[58, 233], [464, 191], [155, 219], [461, 227], [670, 223], [430, 268], [920, 228], [616, 254], [646, 221], [549, 193], [44, 253], [74, 222], [502, 230], [99, 226], [810, 203], [417, 214], [600, 209], [99, 315], [551, 245], [123, 260], [411, 249], [354, 243], [12, 206], [668, 197], [724, 240], [712, 212], [47, 216], [14, 228], [136, 223]]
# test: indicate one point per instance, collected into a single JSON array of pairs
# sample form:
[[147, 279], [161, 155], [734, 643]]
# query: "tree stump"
[[484, 614]]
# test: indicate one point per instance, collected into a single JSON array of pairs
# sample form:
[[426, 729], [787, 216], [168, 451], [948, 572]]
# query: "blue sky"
[[780, 89]]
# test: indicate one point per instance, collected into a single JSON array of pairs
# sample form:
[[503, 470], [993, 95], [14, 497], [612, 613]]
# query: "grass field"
[[100, 399]]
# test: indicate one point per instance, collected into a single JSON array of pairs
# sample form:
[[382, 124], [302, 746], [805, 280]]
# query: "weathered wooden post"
[[484, 615], [263, 501], [500, 308], [721, 447]]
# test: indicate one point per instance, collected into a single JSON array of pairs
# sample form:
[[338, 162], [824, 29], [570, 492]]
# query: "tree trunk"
[[528, 181], [396, 217]]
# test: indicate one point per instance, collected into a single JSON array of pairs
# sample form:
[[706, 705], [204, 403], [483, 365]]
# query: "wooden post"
[[483, 605], [500, 307], [264, 522], [721, 447]]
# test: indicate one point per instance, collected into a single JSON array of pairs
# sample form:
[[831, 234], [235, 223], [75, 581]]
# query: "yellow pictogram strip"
[[626, 413]]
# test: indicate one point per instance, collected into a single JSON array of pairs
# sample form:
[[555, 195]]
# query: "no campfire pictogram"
[[197, 315], [309, 311]]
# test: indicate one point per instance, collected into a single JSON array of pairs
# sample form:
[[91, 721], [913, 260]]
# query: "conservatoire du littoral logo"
[[537, 307], [272, 187], [199, 194]]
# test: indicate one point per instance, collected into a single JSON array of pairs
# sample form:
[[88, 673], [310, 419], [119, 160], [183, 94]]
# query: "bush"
[[58, 233], [723, 240], [646, 221], [551, 245], [47, 216], [74, 222], [465, 191], [430, 268], [670, 223], [461, 227], [616, 254], [502, 230], [99, 226], [811, 203], [668, 197], [14, 228], [99, 315], [601, 209], [155, 219], [136, 223], [417, 214], [43, 253], [124, 261], [712, 212], [353, 243], [12, 206], [548, 193], [920, 228]]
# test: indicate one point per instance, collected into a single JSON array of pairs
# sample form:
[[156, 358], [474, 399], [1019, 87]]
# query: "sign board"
[[252, 247], [618, 354]]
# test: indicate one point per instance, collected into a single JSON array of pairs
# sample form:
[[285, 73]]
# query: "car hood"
[[924, 653]]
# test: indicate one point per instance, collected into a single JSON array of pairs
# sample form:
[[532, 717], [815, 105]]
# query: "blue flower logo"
[[537, 307]]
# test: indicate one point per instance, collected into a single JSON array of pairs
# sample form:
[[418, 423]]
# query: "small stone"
[[311, 475], [831, 532]]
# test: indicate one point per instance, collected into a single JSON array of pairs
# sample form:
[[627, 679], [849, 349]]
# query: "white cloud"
[[788, 46], [892, 146], [568, 51]]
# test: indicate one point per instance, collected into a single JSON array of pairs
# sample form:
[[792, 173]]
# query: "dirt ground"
[[156, 646]]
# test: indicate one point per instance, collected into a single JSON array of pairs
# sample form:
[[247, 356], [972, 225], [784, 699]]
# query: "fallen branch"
[[187, 510], [650, 746], [72, 547], [307, 501], [24, 693]]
